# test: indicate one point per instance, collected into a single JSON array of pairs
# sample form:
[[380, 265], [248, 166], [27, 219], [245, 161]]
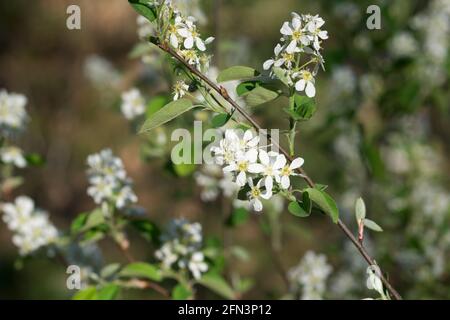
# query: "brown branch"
[[223, 92]]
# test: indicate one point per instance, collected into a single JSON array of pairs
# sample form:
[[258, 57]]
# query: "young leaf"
[[141, 270], [89, 293], [237, 73], [181, 292], [246, 86], [94, 219], [372, 225], [34, 159], [360, 209], [167, 113], [281, 75], [217, 284], [296, 209], [184, 169], [220, 120], [144, 8], [108, 292], [302, 108], [79, 222], [260, 95], [109, 270], [325, 202]]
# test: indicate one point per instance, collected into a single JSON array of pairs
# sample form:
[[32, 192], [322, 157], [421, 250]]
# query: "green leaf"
[[181, 292], [242, 194], [141, 270], [372, 225], [281, 75], [184, 169], [34, 159], [296, 209], [147, 229], [260, 95], [360, 209], [156, 104], [109, 270], [220, 120], [108, 292], [237, 73], [167, 113], [144, 8], [301, 108], [238, 217], [217, 284], [89, 293], [94, 219], [246, 86], [79, 222], [321, 187], [324, 202]]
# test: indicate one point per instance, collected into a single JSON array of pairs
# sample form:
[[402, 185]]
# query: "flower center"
[[286, 171], [243, 166], [307, 76], [255, 192], [296, 35]]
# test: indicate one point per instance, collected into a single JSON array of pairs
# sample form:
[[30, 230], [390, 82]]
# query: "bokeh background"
[[381, 131]]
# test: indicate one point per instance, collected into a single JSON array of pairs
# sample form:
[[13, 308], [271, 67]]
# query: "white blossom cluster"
[[101, 72], [108, 180], [300, 47], [252, 166], [13, 115], [182, 35], [181, 248], [32, 228], [310, 275], [133, 104]]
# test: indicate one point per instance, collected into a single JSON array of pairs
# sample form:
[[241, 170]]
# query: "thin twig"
[[223, 92]]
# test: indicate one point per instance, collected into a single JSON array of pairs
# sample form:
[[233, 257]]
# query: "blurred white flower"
[[181, 247], [310, 275], [403, 45], [108, 180], [133, 104], [13, 115], [32, 228], [13, 155]]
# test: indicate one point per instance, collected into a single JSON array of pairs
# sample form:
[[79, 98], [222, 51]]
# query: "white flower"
[[181, 246], [191, 57], [31, 227], [306, 83], [244, 163], [269, 63], [133, 104], [197, 265], [125, 196], [255, 194], [270, 167], [13, 115], [13, 155], [191, 36], [173, 31], [18, 214], [310, 276], [180, 89], [296, 32], [108, 180], [314, 25], [373, 280], [287, 171]]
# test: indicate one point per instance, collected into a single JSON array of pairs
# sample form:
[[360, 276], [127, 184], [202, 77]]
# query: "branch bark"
[[223, 92]]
